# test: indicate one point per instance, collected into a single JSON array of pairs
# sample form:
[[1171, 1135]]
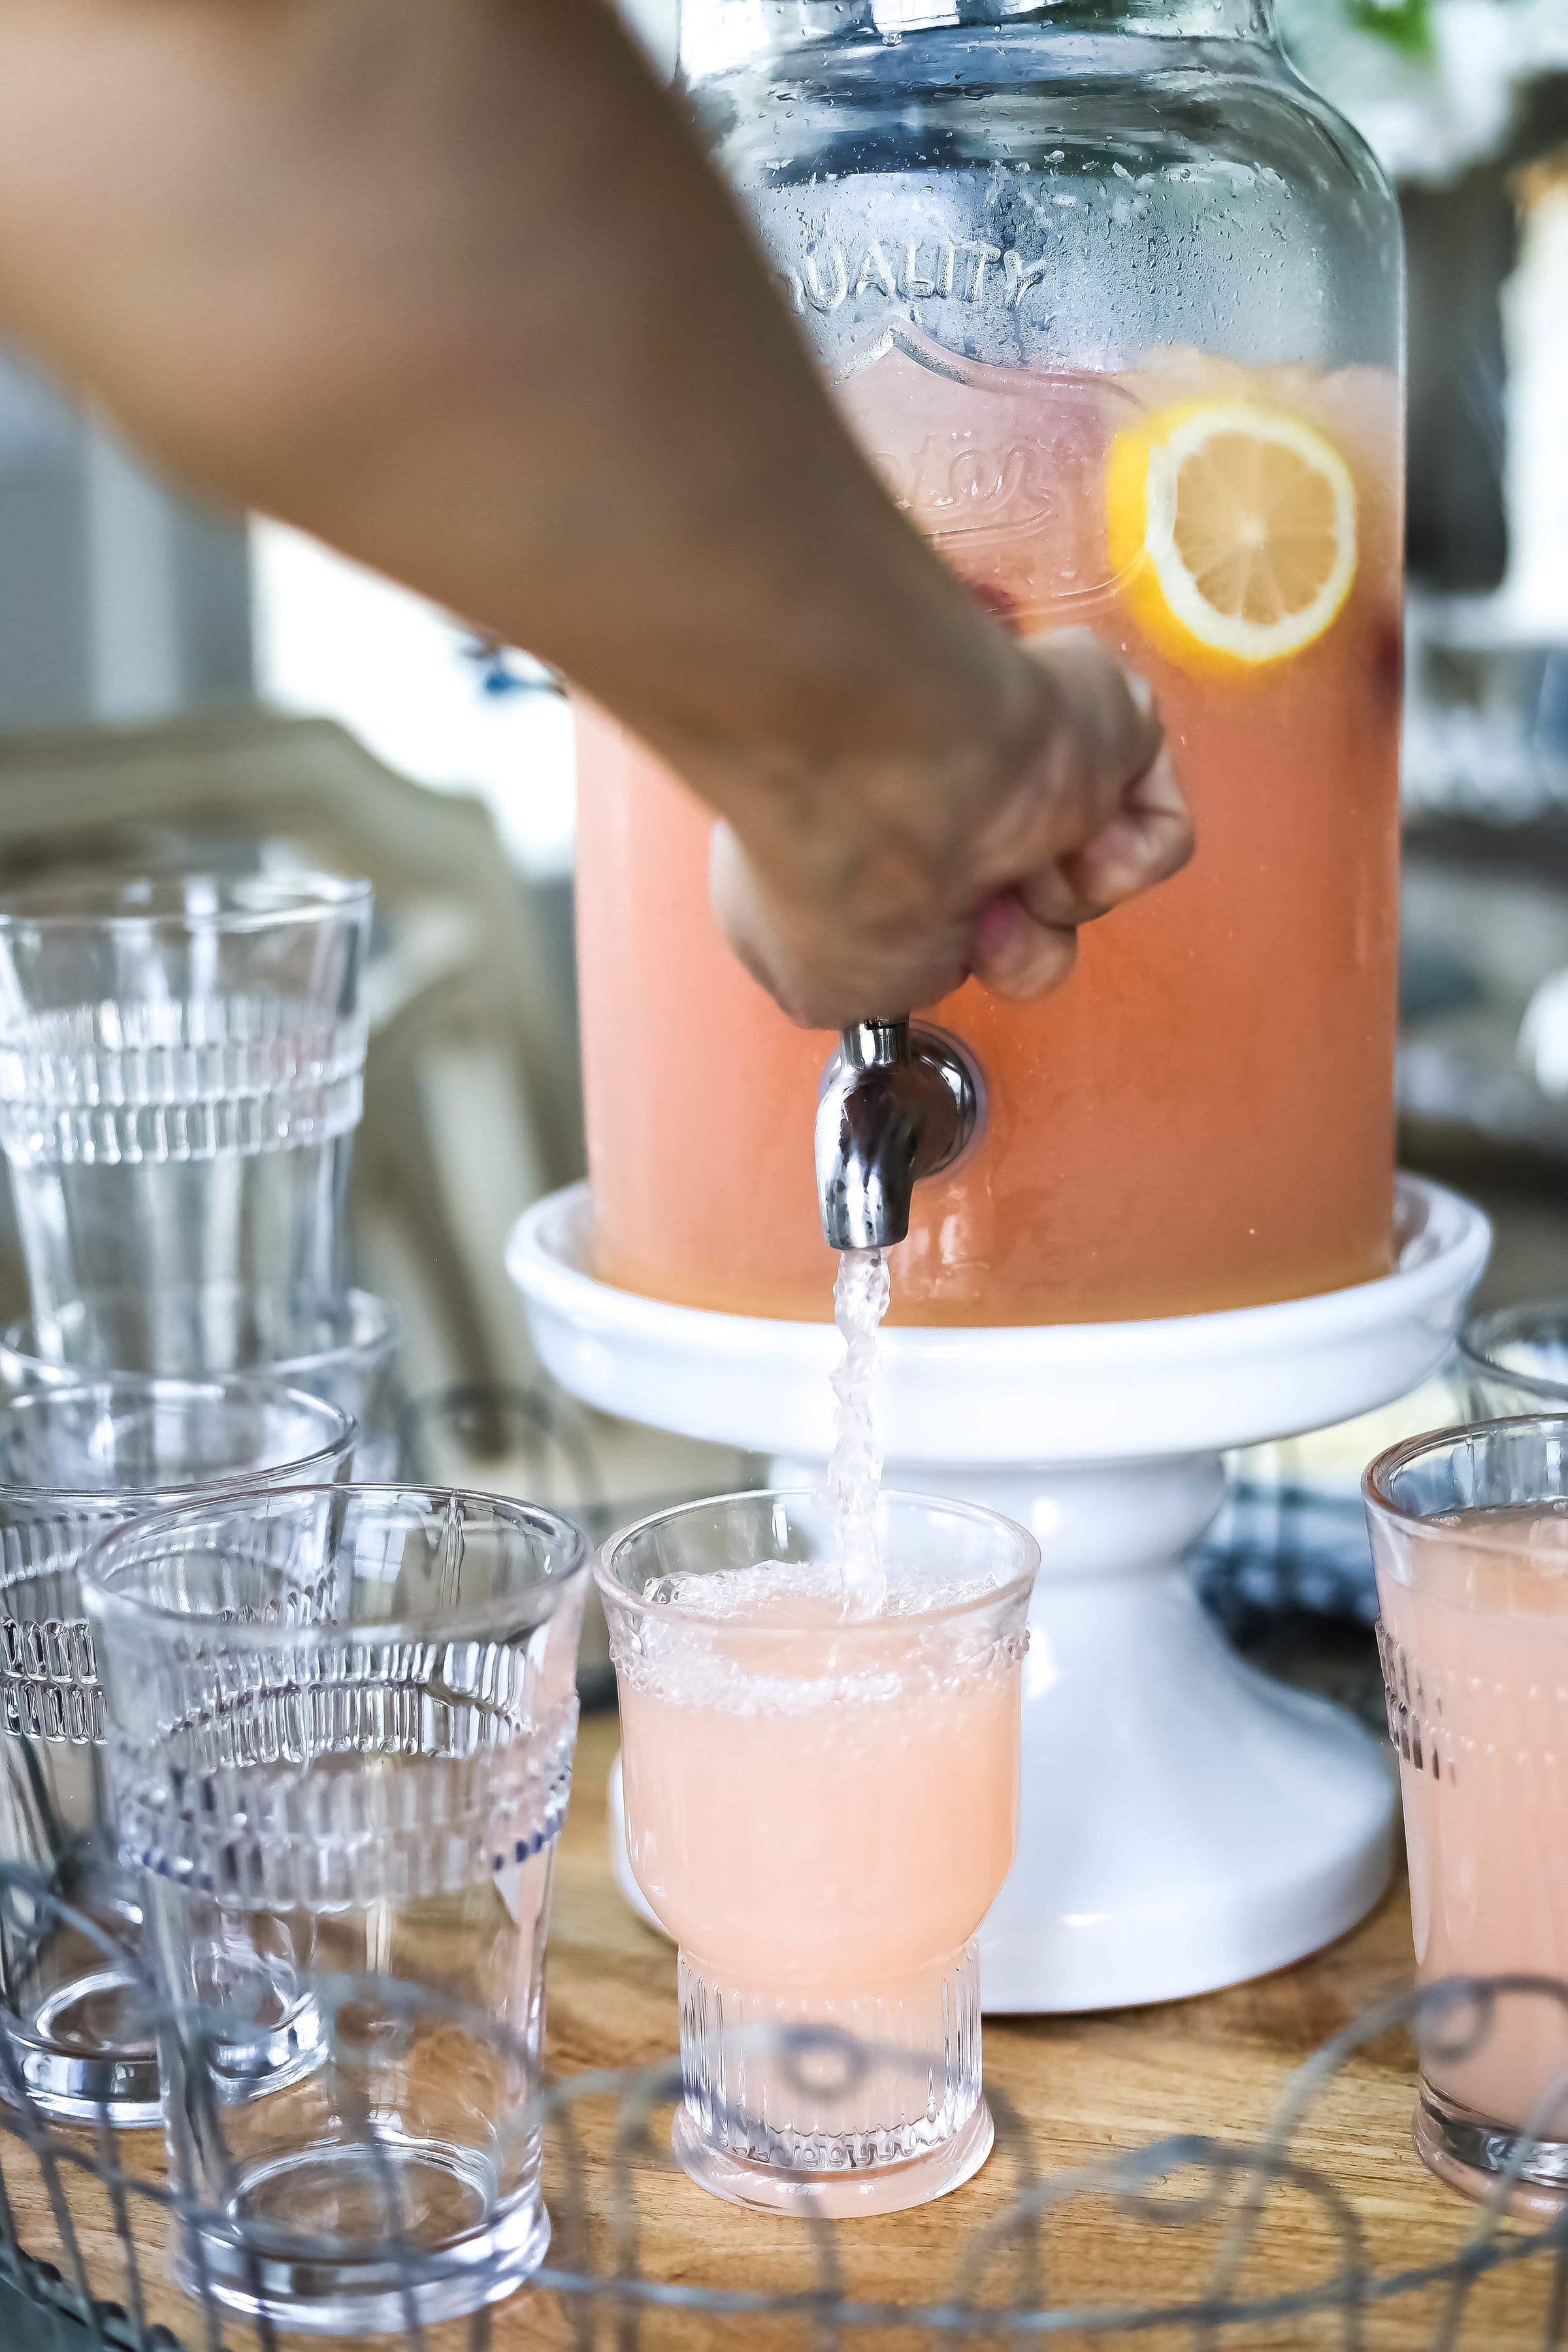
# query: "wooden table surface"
[[1073, 2092]]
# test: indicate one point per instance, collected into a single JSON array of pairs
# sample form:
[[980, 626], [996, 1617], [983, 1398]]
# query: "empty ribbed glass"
[[345, 1350], [180, 1079], [74, 1463], [1515, 1359], [342, 1735]]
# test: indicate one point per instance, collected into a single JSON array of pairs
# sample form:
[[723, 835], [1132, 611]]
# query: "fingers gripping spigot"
[[898, 1101]]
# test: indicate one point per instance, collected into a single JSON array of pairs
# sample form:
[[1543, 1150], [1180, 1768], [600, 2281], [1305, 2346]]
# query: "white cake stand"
[[1184, 1823]]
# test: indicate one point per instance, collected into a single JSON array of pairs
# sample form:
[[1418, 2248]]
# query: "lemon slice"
[[1234, 528]]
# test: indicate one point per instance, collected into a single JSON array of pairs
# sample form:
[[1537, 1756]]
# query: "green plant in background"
[[1404, 24]]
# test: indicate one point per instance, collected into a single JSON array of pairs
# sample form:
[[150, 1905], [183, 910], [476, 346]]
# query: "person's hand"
[[877, 898]]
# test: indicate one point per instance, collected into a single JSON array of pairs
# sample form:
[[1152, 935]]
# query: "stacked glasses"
[[282, 1759], [181, 1064], [74, 1463]]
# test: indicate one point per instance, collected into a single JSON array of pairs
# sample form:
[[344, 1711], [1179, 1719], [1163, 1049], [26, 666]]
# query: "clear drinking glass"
[[346, 1350], [75, 1462], [1515, 1360], [343, 1724], [1469, 1531], [821, 1809], [180, 1080]]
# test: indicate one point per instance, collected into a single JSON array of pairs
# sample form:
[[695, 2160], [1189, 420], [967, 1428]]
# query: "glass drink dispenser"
[[1114, 305]]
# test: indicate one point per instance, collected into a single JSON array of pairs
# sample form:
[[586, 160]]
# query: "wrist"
[[914, 734]]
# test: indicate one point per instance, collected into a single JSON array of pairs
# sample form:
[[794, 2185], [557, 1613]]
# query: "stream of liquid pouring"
[[855, 1470]]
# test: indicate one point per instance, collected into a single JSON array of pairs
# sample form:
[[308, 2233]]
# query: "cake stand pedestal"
[[1184, 1823]]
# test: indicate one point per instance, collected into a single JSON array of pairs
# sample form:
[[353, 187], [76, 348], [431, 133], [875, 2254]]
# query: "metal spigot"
[[898, 1101]]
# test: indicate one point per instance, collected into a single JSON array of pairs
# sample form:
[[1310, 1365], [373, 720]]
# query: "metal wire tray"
[[103, 2213]]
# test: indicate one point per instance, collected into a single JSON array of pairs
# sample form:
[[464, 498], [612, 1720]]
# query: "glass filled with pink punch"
[[821, 1796], [1469, 1532]]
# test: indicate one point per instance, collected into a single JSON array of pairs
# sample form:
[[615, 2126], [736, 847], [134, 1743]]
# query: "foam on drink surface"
[[760, 1639], [1540, 1530]]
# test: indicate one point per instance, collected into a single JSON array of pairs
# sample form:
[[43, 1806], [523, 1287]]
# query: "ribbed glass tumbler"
[[180, 1080], [346, 1350], [1515, 1359], [74, 1463], [341, 1736], [821, 1799], [1469, 1532]]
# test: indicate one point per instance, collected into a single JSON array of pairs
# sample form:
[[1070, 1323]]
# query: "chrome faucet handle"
[[900, 1100]]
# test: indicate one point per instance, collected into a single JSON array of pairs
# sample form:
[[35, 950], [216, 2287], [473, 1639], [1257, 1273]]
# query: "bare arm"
[[446, 282]]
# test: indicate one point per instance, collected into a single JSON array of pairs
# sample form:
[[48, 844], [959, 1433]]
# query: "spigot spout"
[[898, 1101]]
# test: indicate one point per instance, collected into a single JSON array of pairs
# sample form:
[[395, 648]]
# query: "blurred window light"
[[1535, 338], [657, 24], [417, 688], [712, 34], [1543, 1036]]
